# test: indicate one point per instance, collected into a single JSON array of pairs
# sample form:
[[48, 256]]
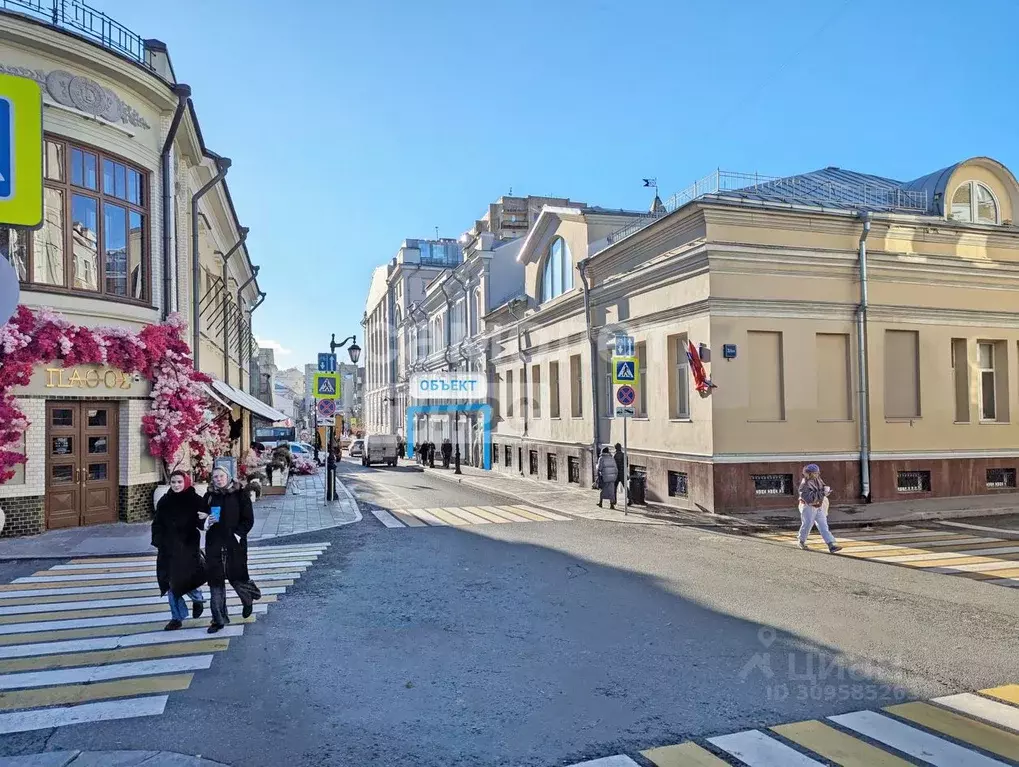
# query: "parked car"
[[303, 449], [379, 448], [356, 449]]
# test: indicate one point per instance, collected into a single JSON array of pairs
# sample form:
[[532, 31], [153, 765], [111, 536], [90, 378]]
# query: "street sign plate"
[[20, 151], [326, 362], [326, 385], [729, 351], [625, 395], [624, 346], [326, 408], [625, 412], [325, 420], [624, 370]]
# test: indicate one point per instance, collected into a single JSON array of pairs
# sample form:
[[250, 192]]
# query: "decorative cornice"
[[81, 93]]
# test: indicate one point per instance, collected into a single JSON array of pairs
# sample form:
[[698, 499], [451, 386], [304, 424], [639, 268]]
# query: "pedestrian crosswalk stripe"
[[836, 746], [463, 516], [106, 620], [113, 642], [148, 570], [989, 710], [682, 755], [609, 761], [912, 741], [962, 728], [90, 592], [758, 750], [109, 578], [952, 731], [96, 607], [50, 602], [74, 694], [860, 548], [90, 674], [142, 652], [253, 552], [147, 563], [107, 710]]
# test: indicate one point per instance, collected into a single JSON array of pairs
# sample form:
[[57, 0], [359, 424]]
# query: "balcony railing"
[[84, 20]]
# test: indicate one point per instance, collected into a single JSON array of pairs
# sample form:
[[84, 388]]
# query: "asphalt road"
[[544, 644]]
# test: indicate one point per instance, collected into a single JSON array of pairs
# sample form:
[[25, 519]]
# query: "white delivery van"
[[379, 448]]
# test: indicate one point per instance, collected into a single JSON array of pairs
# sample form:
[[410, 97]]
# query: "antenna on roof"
[[511, 192], [436, 232]]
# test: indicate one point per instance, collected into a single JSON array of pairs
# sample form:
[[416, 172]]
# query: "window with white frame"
[[557, 275], [988, 408], [680, 395], [972, 202]]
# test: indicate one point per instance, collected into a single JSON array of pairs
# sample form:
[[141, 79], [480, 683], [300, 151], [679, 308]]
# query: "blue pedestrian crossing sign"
[[326, 363], [326, 385], [624, 370], [20, 152]]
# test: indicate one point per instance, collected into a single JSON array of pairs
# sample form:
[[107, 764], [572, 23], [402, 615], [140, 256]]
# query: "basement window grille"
[[772, 484], [1001, 478], [678, 484], [913, 482], [573, 469]]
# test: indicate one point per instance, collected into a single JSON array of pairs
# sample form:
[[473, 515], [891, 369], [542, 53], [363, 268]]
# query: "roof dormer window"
[[974, 203]]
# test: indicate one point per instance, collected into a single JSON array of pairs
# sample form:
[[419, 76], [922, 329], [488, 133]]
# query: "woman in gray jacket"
[[607, 476]]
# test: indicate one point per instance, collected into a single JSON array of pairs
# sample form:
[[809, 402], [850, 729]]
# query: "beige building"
[[789, 288], [124, 156]]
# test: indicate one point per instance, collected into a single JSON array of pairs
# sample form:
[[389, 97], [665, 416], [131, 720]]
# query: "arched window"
[[974, 202], [557, 277]]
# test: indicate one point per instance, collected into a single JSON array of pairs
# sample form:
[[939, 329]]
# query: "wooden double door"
[[81, 463]]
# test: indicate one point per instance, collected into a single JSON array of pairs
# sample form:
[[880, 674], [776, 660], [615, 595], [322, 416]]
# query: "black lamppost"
[[355, 354]]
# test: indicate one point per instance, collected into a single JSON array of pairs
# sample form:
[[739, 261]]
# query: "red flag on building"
[[701, 381]]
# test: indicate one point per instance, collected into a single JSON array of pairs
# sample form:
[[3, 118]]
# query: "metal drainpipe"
[[861, 344], [222, 166], [226, 303], [183, 94], [523, 378], [240, 326], [449, 324], [596, 436]]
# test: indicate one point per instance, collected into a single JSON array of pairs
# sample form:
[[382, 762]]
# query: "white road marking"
[[115, 588], [70, 579], [56, 607], [936, 543], [978, 567], [982, 708], [1012, 583], [386, 518], [981, 527], [912, 741], [89, 674], [97, 571], [83, 623], [151, 563], [886, 536], [608, 761], [113, 643], [545, 513], [44, 719], [758, 750], [948, 555]]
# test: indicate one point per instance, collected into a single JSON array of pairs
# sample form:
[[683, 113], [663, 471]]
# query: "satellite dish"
[[9, 290]]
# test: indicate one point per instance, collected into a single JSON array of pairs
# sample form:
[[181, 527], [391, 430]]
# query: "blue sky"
[[353, 126]]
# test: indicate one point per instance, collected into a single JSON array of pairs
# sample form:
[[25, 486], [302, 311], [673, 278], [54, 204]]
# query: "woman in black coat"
[[226, 546], [175, 533]]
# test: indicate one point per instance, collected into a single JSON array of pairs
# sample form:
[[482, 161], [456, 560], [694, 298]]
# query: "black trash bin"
[[638, 484]]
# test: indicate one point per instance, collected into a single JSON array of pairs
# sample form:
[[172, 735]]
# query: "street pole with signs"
[[625, 377], [327, 386]]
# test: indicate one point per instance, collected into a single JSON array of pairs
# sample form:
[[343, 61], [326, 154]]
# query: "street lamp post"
[[355, 354]]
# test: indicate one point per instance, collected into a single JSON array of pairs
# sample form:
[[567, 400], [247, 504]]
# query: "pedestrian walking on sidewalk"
[[226, 546], [814, 507], [447, 452], [607, 476], [180, 567], [620, 478]]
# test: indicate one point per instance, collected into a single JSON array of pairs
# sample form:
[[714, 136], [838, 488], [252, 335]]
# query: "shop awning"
[[215, 397], [246, 401]]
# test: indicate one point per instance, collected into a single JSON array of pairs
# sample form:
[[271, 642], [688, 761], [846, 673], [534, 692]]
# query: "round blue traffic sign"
[[625, 395]]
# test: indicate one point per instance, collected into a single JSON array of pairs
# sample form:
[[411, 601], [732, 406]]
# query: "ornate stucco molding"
[[81, 93]]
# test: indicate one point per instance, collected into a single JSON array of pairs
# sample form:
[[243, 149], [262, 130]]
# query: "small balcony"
[[81, 19]]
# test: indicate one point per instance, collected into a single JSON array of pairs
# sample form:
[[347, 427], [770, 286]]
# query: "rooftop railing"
[[794, 190], [82, 19]]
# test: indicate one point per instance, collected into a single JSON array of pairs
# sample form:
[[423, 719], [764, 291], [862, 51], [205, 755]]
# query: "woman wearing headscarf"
[[607, 476], [180, 569], [226, 546]]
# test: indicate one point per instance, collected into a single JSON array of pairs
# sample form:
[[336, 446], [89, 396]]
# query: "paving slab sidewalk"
[[302, 509], [577, 501]]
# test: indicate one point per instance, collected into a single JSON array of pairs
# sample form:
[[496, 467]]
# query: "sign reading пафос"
[[455, 387]]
